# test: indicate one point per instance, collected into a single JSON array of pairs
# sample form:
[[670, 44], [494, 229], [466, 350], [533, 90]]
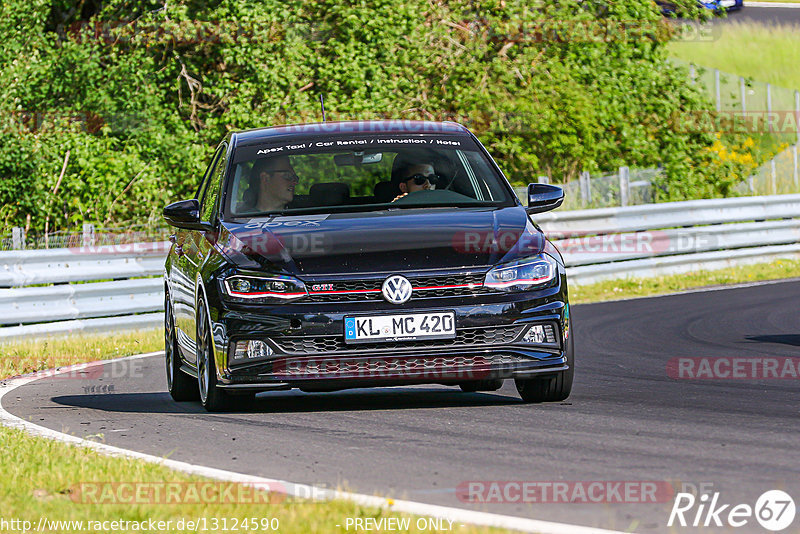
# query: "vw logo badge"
[[396, 289]]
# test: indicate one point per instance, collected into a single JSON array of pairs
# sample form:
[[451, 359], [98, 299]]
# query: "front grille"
[[428, 281], [445, 366], [466, 337], [424, 287], [342, 297]]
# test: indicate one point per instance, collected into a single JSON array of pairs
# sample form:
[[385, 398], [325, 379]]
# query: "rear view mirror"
[[357, 158], [543, 197], [344, 160]]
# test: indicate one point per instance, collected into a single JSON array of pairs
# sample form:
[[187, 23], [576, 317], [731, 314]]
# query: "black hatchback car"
[[359, 254]]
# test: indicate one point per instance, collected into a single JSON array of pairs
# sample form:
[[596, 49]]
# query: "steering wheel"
[[433, 196], [451, 182]]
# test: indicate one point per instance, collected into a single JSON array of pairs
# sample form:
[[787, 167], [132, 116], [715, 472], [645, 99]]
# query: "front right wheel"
[[213, 398], [180, 385], [550, 388]]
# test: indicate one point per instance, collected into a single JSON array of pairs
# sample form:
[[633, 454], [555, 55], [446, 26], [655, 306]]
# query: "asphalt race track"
[[763, 15], [626, 420]]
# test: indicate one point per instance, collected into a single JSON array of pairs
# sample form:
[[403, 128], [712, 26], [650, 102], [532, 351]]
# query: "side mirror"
[[185, 214], [543, 197]]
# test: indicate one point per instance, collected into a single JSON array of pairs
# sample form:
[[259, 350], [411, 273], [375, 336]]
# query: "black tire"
[[552, 388], [181, 386], [490, 384], [213, 398]]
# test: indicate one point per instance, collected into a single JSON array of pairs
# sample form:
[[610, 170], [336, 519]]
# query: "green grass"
[[764, 53], [44, 478], [20, 357], [643, 287]]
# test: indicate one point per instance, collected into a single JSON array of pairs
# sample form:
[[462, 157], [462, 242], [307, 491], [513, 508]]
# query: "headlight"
[[266, 289], [522, 274]]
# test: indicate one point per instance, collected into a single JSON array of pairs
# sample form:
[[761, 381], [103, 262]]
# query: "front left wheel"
[[553, 388]]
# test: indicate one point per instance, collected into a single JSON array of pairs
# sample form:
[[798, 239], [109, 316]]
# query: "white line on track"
[[707, 289], [771, 4], [303, 491]]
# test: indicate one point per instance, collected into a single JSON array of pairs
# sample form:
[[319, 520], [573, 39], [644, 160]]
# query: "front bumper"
[[309, 352]]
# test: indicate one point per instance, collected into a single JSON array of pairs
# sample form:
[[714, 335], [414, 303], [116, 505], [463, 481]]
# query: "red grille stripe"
[[473, 286], [340, 292]]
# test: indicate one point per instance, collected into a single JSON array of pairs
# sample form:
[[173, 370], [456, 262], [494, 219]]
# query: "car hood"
[[381, 241]]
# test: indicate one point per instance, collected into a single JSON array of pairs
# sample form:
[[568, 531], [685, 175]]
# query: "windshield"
[[361, 172]]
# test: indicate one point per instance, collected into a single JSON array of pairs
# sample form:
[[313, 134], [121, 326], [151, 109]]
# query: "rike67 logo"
[[774, 510]]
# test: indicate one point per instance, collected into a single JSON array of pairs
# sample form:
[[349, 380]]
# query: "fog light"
[[258, 349], [251, 350], [535, 334], [540, 333]]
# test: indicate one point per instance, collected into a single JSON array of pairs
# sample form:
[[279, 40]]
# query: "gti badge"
[[396, 289]]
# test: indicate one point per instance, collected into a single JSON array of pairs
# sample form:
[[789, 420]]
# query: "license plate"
[[400, 327], [727, 3]]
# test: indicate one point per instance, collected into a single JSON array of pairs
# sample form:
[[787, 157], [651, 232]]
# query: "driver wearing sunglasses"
[[277, 180], [416, 177]]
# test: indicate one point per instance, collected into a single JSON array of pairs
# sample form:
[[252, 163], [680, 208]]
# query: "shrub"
[[139, 93]]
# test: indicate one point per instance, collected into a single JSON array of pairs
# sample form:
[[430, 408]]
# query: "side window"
[[208, 203], [209, 170]]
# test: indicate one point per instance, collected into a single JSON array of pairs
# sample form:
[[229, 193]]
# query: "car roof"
[[345, 127]]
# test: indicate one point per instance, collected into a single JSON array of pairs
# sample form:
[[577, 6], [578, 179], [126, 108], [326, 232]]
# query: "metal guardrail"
[[635, 241], [677, 241], [80, 301], [669, 215], [675, 237], [703, 261], [81, 264]]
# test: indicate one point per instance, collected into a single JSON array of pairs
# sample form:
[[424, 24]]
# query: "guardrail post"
[[692, 73], [774, 177], [544, 179], [624, 185], [797, 114], [88, 235], [769, 107], [716, 88], [794, 158], [586, 187], [17, 238], [743, 92]]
